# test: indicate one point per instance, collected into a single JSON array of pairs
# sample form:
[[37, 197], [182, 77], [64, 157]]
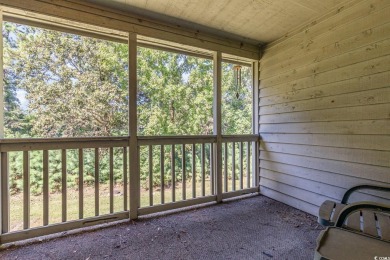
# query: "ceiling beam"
[[79, 11]]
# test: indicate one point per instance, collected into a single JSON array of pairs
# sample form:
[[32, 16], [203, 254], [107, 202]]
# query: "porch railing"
[[172, 172]]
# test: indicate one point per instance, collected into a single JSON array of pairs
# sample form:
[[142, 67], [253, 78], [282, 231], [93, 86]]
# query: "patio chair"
[[330, 210], [362, 231]]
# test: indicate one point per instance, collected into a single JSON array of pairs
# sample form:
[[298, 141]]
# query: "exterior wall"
[[325, 108]]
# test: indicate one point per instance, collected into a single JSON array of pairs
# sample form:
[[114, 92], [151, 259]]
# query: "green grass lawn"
[[55, 202]]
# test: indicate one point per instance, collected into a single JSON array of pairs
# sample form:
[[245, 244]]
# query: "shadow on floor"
[[251, 228]]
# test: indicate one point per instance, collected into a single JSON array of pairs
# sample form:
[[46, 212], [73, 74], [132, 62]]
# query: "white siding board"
[[372, 157], [327, 177], [365, 39], [295, 87], [348, 12], [363, 112], [333, 190], [312, 38], [368, 127], [374, 50], [364, 171], [368, 142], [316, 187], [369, 82], [289, 200], [325, 108], [367, 67], [291, 190], [369, 97]]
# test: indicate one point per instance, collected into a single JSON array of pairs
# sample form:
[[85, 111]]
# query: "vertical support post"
[[4, 204], [255, 123], [217, 129], [1, 81], [133, 142], [4, 194]]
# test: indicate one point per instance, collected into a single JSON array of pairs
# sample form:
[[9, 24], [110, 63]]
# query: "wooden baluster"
[[162, 173], [125, 178], [111, 180], [248, 165], [184, 182], [5, 198], [150, 175], [139, 177], [63, 185], [26, 190], [241, 166], [81, 184], [193, 172], [234, 166], [173, 173], [45, 187], [203, 171], [97, 182], [226, 168], [212, 180]]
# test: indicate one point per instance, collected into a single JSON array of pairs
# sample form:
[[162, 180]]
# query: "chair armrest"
[[348, 193], [358, 206]]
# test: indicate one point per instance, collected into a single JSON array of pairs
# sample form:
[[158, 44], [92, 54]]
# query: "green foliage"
[[78, 86], [236, 112], [176, 94]]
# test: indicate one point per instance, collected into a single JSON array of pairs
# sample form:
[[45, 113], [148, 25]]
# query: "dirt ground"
[[251, 228]]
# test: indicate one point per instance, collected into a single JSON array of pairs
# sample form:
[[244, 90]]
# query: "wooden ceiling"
[[252, 21]]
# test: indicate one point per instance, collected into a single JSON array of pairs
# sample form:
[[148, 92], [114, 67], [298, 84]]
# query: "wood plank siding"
[[325, 108]]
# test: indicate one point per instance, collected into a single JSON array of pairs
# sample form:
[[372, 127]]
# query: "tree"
[[176, 93], [75, 85], [78, 86], [16, 122], [236, 112]]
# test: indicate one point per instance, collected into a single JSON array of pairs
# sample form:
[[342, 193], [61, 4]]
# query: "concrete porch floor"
[[251, 228]]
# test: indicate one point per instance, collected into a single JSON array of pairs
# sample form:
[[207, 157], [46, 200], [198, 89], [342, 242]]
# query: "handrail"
[[60, 139], [31, 144], [174, 139], [240, 138], [189, 139]]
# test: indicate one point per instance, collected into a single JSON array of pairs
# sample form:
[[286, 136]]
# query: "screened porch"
[[119, 113]]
